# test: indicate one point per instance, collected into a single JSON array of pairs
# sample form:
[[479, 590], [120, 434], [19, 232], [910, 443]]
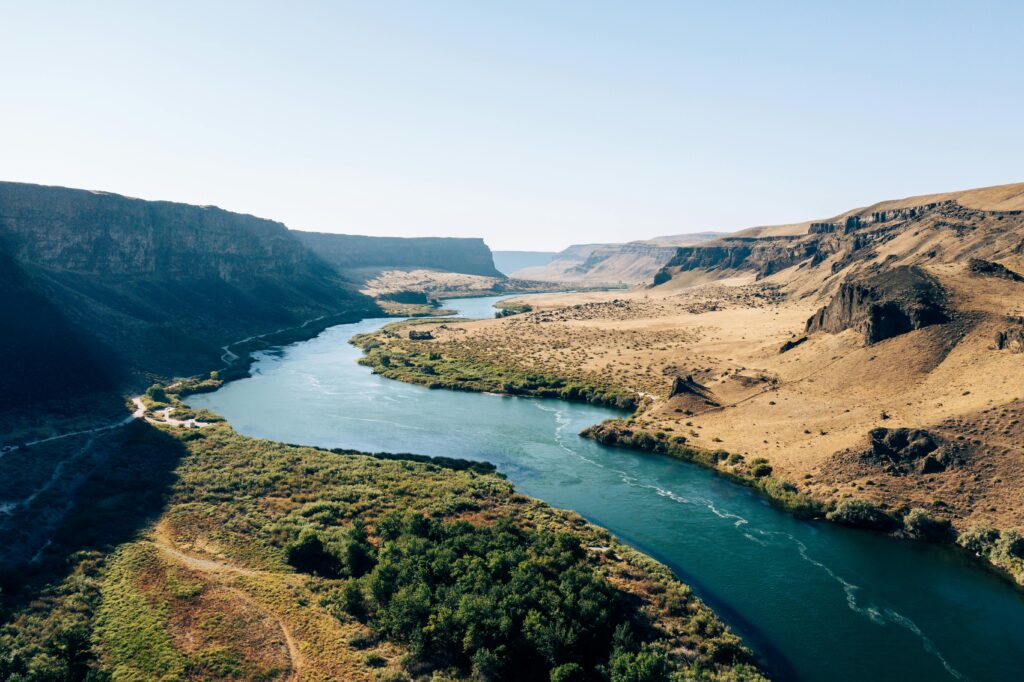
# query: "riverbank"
[[423, 359], [248, 520], [278, 560]]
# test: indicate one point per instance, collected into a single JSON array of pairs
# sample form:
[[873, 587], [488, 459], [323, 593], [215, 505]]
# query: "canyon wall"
[[351, 252], [126, 289]]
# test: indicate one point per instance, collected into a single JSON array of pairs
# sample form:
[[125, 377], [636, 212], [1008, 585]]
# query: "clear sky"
[[531, 124]]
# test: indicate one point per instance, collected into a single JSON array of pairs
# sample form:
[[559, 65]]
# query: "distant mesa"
[[351, 253], [629, 263]]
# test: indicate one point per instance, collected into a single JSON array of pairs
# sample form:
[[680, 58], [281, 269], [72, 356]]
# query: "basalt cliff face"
[[923, 231], [123, 288], [348, 253], [885, 305]]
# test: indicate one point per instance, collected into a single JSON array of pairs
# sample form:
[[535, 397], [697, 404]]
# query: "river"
[[816, 601]]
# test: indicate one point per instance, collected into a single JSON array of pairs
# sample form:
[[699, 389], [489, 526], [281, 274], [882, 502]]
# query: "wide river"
[[815, 600]]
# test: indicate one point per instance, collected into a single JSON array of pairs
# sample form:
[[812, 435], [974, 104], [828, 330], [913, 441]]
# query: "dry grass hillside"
[[610, 264], [876, 355]]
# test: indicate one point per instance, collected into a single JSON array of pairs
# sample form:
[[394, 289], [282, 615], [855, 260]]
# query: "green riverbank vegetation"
[[1004, 549], [204, 554], [393, 354]]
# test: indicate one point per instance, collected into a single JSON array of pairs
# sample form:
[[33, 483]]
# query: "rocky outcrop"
[[852, 241], [791, 344], [350, 252], [420, 335], [1011, 340], [108, 236], [906, 213], [985, 268], [689, 395], [145, 288], [764, 255], [902, 451], [885, 305]]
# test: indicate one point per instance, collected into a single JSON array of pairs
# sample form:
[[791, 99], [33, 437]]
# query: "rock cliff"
[[352, 252], [885, 305], [137, 288], [947, 228]]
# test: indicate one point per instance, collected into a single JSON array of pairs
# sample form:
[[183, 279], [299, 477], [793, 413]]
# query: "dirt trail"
[[218, 570]]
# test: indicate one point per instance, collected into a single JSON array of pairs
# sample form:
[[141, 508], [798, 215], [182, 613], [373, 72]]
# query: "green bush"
[[309, 555], [568, 672], [861, 514], [496, 602], [157, 394], [918, 524]]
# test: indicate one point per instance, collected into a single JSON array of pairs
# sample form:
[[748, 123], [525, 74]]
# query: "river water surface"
[[815, 600]]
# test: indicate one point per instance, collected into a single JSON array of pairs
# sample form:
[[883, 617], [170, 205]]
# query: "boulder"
[[1010, 339]]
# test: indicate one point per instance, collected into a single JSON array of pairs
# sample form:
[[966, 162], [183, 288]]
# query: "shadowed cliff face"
[[132, 288], [39, 348], [883, 306], [348, 252]]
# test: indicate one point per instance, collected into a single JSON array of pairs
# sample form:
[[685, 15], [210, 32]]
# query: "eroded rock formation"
[[986, 268], [883, 306], [1011, 339], [903, 450]]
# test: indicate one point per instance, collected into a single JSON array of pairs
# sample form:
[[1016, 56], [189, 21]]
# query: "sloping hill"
[[938, 228], [629, 263], [868, 366], [144, 287]]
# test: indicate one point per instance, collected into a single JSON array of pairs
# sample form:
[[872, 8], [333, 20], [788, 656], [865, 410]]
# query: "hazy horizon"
[[532, 126]]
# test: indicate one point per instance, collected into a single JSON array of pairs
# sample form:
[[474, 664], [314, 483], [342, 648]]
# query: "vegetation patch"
[[374, 567], [419, 362]]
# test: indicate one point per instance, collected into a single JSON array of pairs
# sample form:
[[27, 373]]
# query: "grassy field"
[[204, 554]]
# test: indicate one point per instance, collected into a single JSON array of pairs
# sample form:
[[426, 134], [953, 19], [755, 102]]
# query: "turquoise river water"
[[816, 601]]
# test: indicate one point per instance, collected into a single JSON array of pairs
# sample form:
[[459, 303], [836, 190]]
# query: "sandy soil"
[[808, 410]]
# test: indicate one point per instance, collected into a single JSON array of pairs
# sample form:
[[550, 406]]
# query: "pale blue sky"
[[531, 124]]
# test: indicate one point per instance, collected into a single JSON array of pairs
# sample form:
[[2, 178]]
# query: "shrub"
[[569, 672], [157, 394], [861, 514], [309, 555], [359, 553], [642, 666], [918, 524]]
